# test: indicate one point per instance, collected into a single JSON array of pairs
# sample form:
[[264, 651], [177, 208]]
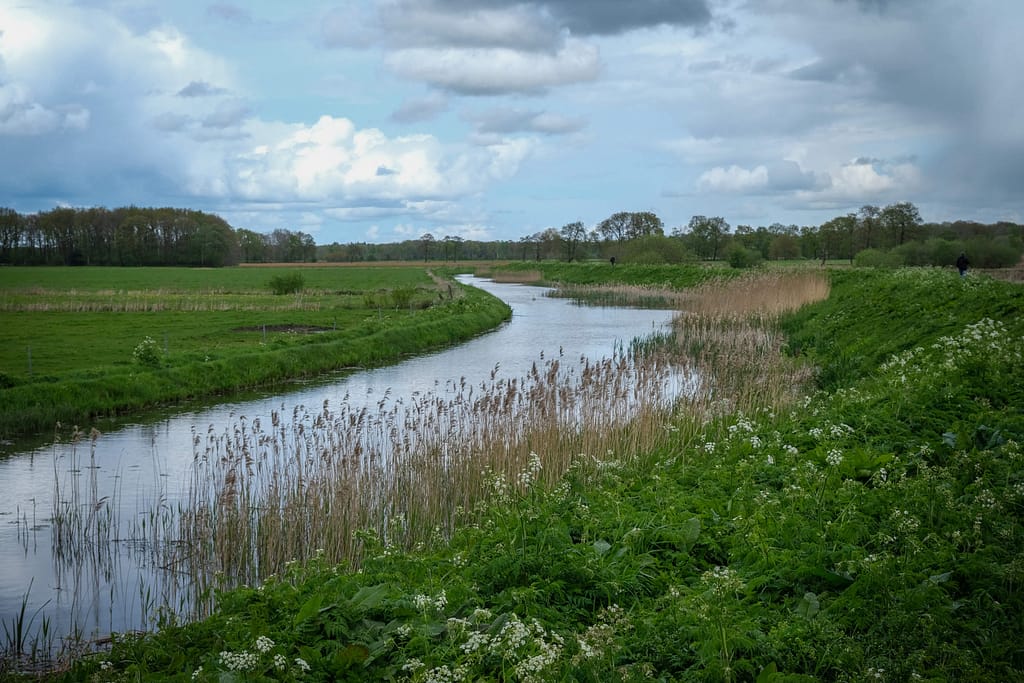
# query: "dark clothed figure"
[[962, 263]]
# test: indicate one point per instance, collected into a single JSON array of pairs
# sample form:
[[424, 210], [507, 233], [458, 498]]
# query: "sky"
[[383, 120]]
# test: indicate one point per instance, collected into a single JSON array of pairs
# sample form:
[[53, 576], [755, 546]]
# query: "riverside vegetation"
[[81, 344], [763, 529]]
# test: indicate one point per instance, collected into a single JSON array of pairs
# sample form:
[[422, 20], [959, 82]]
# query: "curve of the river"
[[136, 462]]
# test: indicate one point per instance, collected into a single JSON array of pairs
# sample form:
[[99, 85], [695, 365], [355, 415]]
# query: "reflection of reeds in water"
[[85, 524], [263, 495]]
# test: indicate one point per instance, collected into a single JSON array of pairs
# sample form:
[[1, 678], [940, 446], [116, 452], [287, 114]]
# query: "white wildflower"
[[834, 457]]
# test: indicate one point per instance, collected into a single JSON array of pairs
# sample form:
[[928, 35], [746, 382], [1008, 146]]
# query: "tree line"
[[133, 236], [136, 236], [892, 235]]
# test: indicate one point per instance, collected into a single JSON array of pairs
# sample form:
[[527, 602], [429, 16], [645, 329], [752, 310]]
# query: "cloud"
[[490, 71], [229, 12], [867, 181], [200, 89], [501, 121], [332, 160], [776, 177], [20, 116], [419, 110], [602, 17], [227, 115], [412, 23]]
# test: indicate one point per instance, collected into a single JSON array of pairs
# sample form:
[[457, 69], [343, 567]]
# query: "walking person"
[[962, 263]]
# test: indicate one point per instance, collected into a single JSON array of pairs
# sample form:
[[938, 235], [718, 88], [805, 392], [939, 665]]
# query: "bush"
[[742, 257], [291, 283], [147, 353], [914, 254], [401, 297], [997, 253], [876, 258], [653, 250], [943, 252]]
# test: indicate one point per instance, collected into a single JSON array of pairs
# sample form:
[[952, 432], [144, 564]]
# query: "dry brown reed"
[[729, 332], [408, 469]]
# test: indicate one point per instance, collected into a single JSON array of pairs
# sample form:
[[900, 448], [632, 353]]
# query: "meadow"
[[81, 344], [840, 500]]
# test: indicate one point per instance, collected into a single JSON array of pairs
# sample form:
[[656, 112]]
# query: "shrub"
[[997, 253], [876, 258], [742, 257], [653, 249], [401, 297], [147, 353], [943, 252], [291, 283]]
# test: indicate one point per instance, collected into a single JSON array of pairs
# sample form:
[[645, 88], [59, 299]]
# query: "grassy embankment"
[[868, 531], [77, 344]]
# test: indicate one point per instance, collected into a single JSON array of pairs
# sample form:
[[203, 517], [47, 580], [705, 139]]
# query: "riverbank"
[[85, 344], [868, 531]]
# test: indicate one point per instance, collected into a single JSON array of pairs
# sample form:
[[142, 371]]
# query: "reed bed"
[[409, 470], [762, 292], [729, 332]]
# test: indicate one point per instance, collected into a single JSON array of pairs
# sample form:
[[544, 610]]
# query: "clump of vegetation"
[[739, 256], [147, 353], [287, 283]]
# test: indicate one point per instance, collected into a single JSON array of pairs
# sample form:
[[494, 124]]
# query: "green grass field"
[[73, 320], [77, 343]]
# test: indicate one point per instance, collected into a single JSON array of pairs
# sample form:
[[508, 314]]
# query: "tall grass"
[[730, 330], [263, 496]]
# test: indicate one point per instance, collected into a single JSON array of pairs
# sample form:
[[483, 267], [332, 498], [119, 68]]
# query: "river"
[[90, 592]]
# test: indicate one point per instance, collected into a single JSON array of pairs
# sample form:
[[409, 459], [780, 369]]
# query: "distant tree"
[[901, 220], [707, 236], [784, 247], [550, 242], [615, 227], [453, 241], [644, 224], [253, 246], [572, 234], [868, 219], [836, 237], [10, 234], [426, 242]]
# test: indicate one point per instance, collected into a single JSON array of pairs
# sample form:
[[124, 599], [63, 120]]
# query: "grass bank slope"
[[869, 533]]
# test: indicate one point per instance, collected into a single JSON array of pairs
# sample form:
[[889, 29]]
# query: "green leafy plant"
[[287, 283]]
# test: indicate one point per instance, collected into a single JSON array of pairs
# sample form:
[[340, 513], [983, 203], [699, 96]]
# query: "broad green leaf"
[[369, 597], [308, 609], [808, 606]]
